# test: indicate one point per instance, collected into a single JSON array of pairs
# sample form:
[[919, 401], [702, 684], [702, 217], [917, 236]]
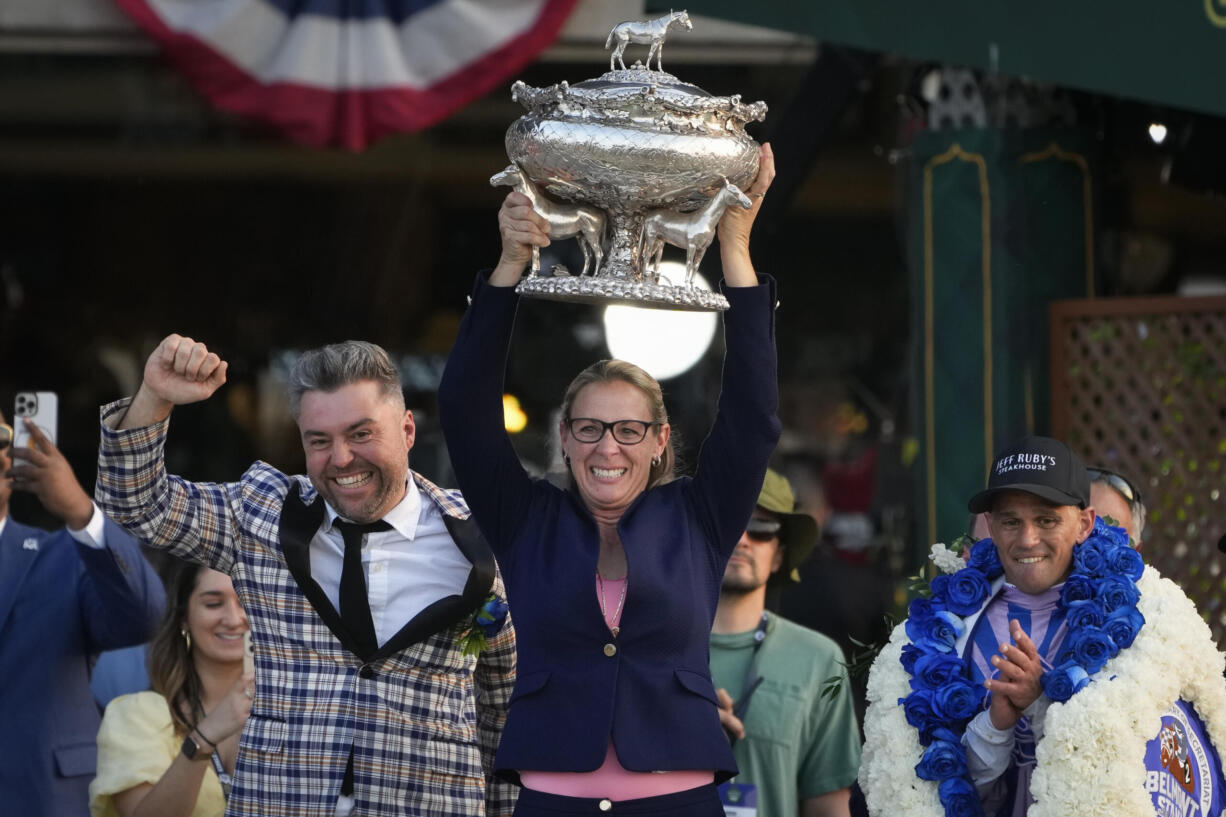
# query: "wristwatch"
[[192, 750]]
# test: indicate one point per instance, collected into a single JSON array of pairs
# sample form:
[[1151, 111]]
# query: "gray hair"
[[331, 367]]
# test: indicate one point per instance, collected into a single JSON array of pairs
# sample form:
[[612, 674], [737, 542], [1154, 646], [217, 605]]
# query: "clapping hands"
[[1019, 682]]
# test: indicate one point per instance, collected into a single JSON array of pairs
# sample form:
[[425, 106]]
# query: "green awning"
[[1163, 51]]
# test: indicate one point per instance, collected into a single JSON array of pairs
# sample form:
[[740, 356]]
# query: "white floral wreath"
[[1090, 761]]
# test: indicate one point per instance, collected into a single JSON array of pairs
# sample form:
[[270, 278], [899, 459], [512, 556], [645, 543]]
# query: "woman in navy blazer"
[[614, 582]]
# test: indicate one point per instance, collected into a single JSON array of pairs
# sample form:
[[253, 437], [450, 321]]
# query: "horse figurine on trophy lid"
[[650, 33], [633, 145]]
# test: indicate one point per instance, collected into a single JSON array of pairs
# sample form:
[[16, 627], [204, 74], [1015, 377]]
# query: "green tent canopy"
[[1167, 52]]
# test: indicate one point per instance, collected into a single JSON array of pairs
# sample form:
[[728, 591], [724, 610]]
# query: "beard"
[[741, 579], [383, 496]]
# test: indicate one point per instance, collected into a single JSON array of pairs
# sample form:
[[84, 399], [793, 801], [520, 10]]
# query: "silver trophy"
[[627, 163]]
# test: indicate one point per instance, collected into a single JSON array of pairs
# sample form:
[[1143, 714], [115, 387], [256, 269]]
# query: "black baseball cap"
[[1041, 466]]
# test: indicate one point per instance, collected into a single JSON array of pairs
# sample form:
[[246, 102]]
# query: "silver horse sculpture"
[[692, 232], [565, 220], [642, 33]]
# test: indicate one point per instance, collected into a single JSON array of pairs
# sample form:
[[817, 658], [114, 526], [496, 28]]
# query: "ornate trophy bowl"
[[626, 163]]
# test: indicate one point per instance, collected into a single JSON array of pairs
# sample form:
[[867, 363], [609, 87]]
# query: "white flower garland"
[[1090, 762], [946, 560]]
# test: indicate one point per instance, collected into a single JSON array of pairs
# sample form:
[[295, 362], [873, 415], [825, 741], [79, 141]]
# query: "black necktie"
[[355, 604]]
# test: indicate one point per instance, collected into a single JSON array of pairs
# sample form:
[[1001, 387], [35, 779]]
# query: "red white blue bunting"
[[346, 72]]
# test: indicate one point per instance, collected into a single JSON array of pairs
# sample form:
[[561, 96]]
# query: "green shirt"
[[797, 744]]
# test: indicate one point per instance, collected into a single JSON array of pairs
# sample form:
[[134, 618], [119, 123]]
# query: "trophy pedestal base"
[[619, 290]]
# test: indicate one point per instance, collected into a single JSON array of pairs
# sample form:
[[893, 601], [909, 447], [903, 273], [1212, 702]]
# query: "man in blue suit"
[[64, 597]]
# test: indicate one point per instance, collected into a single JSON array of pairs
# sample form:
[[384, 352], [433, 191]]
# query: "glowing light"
[[1157, 132], [513, 416], [663, 342]]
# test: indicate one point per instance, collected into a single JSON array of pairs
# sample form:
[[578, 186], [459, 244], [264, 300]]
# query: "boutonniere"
[[482, 625]]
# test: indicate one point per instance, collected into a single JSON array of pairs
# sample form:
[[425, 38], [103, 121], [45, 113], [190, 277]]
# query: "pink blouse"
[[611, 780]]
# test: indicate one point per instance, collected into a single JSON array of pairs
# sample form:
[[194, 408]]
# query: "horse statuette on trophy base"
[[565, 220], [631, 145]]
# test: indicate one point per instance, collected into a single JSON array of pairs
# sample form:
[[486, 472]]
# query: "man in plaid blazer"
[[374, 710]]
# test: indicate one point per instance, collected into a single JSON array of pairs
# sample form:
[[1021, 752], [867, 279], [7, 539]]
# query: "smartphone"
[[40, 406], [248, 654]]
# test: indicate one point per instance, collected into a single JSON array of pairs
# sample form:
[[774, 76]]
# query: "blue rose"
[[957, 700], [491, 616], [1064, 681], [1115, 592], [910, 655], [963, 592], [940, 587], [1124, 561], [938, 633], [1123, 625], [959, 798], [1085, 614], [942, 760], [1112, 533], [923, 608], [1088, 559], [1076, 588], [985, 559], [917, 708], [1092, 647], [934, 670]]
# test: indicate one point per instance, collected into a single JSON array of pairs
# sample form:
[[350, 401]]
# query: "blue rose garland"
[[1099, 599]]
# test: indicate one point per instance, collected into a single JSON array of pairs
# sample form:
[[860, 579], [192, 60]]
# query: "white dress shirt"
[[407, 568], [92, 535]]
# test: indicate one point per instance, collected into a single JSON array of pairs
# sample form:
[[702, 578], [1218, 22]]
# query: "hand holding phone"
[[38, 466]]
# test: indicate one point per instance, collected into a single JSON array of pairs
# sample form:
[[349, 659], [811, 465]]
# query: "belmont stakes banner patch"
[[346, 72], [1183, 771]]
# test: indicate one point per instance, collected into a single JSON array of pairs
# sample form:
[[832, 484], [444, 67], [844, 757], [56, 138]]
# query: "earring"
[[656, 462], [187, 638], [566, 459]]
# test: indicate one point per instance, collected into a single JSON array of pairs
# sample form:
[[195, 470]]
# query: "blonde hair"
[[607, 371]]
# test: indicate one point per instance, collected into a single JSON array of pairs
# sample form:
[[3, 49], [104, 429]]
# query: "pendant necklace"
[[621, 600]]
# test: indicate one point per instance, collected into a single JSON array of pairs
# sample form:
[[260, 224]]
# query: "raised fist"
[[182, 370]]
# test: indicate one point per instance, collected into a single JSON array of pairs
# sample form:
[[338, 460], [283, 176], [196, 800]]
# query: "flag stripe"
[[327, 81]]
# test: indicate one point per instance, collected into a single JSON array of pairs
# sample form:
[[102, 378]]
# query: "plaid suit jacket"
[[423, 720]]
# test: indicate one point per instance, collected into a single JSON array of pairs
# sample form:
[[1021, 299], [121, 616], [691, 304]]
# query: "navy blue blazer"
[[61, 603], [650, 688]]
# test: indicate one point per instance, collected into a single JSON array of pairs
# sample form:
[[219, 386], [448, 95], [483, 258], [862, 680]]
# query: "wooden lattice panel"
[[1139, 387]]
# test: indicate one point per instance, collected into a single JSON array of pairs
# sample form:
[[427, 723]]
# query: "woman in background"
[[170, 752]]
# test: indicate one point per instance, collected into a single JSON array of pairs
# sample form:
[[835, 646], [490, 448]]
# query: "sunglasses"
[[1118, 483], [6, 436], [762, 530]]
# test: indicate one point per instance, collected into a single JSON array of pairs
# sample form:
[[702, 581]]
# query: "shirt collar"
[[403, 517], [1034, 602]]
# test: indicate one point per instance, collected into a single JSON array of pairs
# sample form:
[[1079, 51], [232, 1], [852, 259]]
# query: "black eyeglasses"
[[6, 436], [626, 432], [762, 530], [1119, 483]]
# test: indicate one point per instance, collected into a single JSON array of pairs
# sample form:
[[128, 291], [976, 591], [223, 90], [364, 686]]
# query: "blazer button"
[[367, 671], [606, 805], [610, 650]]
